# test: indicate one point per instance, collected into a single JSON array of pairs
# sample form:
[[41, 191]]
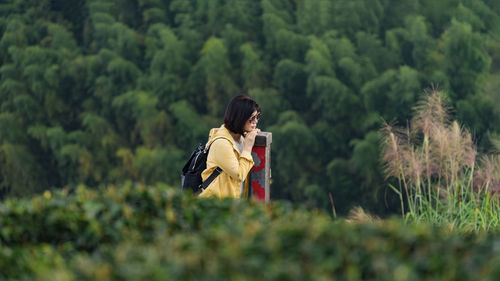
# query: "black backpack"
[[196, 164]]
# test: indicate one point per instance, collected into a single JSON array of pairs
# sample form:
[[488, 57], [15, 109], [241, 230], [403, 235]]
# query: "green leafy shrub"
[[155, 233]]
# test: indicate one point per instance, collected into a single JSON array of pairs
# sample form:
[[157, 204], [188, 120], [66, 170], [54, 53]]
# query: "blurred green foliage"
[[156, 233], [102, 91]]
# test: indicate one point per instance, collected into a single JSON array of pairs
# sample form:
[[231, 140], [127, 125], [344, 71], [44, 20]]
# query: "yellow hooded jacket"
[[235, 167]]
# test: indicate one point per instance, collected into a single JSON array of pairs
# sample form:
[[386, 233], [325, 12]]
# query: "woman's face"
[[251, 123]]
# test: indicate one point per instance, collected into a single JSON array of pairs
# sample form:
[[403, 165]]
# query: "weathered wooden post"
[[260, 175]]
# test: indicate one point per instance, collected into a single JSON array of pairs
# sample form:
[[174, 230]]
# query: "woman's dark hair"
[[238, 111]]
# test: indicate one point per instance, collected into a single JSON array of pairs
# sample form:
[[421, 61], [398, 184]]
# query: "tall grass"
[[439, 177]]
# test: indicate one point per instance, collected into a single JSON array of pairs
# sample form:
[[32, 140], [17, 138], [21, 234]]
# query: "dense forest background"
[[99, 92]]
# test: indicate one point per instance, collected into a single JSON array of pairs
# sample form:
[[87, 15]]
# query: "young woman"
[[231, 148]]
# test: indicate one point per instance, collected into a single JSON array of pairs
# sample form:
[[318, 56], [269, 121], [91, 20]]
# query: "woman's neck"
[[236, 137]]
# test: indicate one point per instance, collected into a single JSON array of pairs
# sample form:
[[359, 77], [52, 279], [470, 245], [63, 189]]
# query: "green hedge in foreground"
[[156, 233]]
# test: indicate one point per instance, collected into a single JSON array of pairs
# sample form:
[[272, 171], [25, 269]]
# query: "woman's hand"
[[250, 139]]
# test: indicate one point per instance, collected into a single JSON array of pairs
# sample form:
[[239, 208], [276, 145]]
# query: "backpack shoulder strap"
[[211, 178], [207, 147], [217, 170]]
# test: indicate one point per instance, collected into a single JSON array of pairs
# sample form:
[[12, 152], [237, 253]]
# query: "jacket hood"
[[223, 132]]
